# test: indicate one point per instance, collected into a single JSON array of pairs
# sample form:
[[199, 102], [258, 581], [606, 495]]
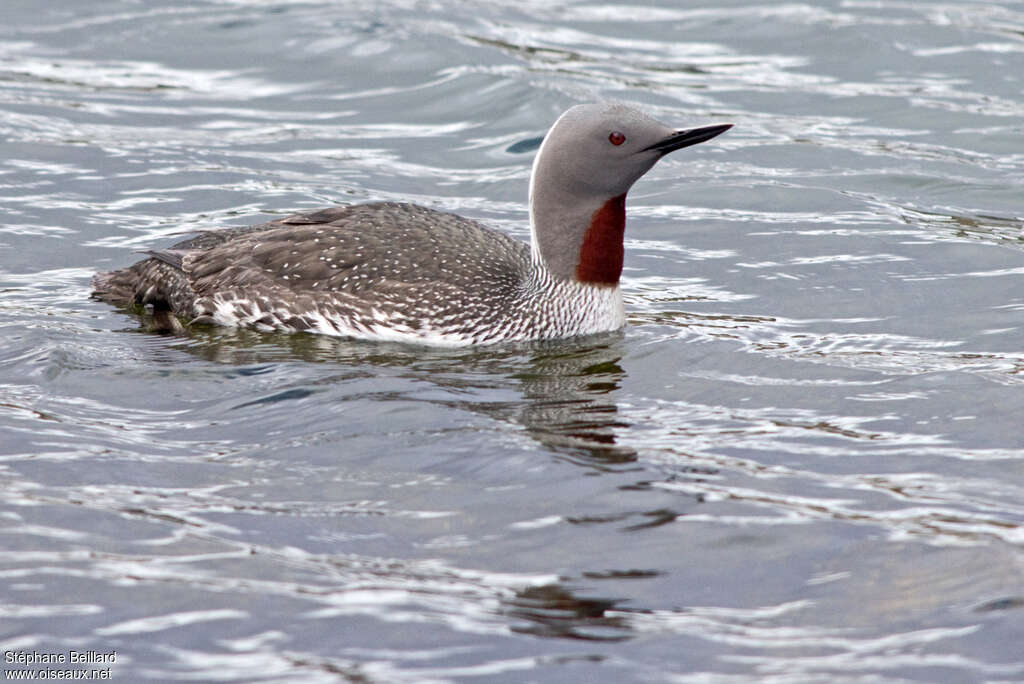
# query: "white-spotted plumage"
[[402, 272], [546, 309]]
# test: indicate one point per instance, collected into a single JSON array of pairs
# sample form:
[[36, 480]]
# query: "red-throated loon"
[[391, 271]]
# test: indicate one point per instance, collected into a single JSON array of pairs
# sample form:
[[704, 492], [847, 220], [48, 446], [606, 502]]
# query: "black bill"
[[692, 136]]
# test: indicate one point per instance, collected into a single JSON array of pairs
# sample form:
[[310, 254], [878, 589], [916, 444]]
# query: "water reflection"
[[569, 406], [565, 390], [552, 610]]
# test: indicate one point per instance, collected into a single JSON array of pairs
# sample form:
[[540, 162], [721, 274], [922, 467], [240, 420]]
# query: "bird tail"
[[116, 287]]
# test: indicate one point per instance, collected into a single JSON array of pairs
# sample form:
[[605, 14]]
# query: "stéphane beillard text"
[[59, 658]]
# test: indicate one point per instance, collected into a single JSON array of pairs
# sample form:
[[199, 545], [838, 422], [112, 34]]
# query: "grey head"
[[587, 163]]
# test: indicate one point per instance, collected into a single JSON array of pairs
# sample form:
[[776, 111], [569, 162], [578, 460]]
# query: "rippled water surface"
[[803, 459]]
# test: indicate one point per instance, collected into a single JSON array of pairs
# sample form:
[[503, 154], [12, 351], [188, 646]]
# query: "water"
[[802, 461]]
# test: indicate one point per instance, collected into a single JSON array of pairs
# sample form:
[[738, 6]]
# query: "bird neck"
[[601, 251], [579, 240]]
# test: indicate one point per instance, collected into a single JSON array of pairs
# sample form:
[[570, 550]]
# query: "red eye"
[[616, 138]]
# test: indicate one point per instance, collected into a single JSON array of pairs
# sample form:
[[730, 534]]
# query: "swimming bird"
[[403, 272]]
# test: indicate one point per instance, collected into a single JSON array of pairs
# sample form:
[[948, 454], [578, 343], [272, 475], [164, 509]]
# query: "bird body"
[[403, 272]]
